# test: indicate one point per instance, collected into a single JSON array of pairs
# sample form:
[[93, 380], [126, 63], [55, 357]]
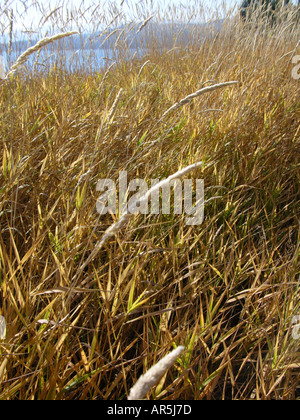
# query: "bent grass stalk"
[[150, 378], [144, 24], [42, 43], [188, 98], [124, 219], [114, 106]]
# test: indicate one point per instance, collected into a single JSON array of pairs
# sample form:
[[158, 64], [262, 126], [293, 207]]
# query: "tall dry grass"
[[227, 290]]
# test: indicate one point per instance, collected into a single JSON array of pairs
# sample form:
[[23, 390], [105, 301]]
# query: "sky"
[[33, 15], [28, 13]]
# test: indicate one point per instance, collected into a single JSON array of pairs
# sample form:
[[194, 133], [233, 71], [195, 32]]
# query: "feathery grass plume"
[[117, 226], [11, 26], [109, 35], [105, 76], [141, 69], [2, 328], [42, 43], [150, 378], [188, 98], [116, 44], [144, 23], [36, 63], [49, 16], [114, 106], [2, 67]]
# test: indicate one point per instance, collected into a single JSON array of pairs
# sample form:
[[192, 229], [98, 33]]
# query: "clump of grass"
[[85, 324]]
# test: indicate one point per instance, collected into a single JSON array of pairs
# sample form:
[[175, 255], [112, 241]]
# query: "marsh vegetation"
[[82, 324]]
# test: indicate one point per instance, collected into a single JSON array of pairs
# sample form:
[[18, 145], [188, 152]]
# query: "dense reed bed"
[[86, 324]]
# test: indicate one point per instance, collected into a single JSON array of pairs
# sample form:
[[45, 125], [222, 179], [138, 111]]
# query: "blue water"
[[89, 60]]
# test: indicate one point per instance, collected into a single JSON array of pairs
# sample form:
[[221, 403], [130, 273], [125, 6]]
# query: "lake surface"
[[89, 60]]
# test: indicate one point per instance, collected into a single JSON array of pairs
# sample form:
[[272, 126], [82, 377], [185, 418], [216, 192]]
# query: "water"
[[89, 60]]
